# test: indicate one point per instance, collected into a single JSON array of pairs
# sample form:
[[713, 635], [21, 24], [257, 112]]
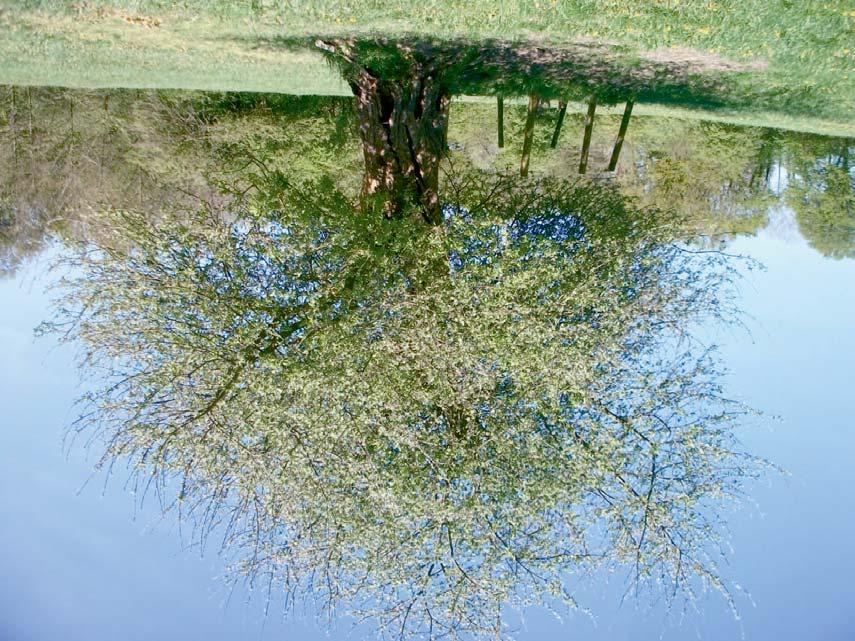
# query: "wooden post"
[[30, 142], [586, 141], [528, 134], [500, 105], [13, 128], [624, 123], [562, 110]]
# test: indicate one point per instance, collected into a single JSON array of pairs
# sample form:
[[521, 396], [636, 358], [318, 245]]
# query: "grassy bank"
[[794, 61]]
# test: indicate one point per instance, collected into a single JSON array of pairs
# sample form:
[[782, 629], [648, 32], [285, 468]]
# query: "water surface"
[[93, 563]]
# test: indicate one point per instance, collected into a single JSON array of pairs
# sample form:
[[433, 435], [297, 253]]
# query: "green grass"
[[798, 56]]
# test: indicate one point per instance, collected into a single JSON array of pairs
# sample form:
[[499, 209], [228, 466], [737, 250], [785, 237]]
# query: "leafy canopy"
[[418, 424]]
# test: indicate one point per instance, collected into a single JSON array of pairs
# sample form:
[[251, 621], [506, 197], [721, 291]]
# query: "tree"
[[418, 422], [403, 125], [821, 190], [65, 155], [438, 395]]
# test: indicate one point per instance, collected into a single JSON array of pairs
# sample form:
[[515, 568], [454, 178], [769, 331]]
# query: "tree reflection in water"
[[451, 392], [419, 423]]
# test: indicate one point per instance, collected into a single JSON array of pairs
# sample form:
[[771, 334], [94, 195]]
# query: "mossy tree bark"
[[403, 125]]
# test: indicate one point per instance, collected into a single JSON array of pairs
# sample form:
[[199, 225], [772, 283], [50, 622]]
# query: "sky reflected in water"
[[83, 560]]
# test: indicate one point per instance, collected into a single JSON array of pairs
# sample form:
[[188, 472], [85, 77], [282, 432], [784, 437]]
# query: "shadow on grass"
[[611, 72]]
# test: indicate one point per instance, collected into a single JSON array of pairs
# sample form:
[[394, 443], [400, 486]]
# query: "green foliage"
[[313, 137], [417, 423], [713, 174], [822, 193], [65, 156], [707, 172]]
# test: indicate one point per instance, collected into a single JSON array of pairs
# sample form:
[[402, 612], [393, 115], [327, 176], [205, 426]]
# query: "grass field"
[[795, 59]]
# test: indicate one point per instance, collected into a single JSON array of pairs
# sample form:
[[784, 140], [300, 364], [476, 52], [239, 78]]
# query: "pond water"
[[173, 215]]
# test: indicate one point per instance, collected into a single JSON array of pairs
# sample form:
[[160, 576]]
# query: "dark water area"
[[340, 366]]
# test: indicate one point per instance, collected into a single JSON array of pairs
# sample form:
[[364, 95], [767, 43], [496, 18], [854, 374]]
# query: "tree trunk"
[[528, 134], [500, 107], [586, 141], [562, 111], [624, 123], [13, 128], [403, 124]]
